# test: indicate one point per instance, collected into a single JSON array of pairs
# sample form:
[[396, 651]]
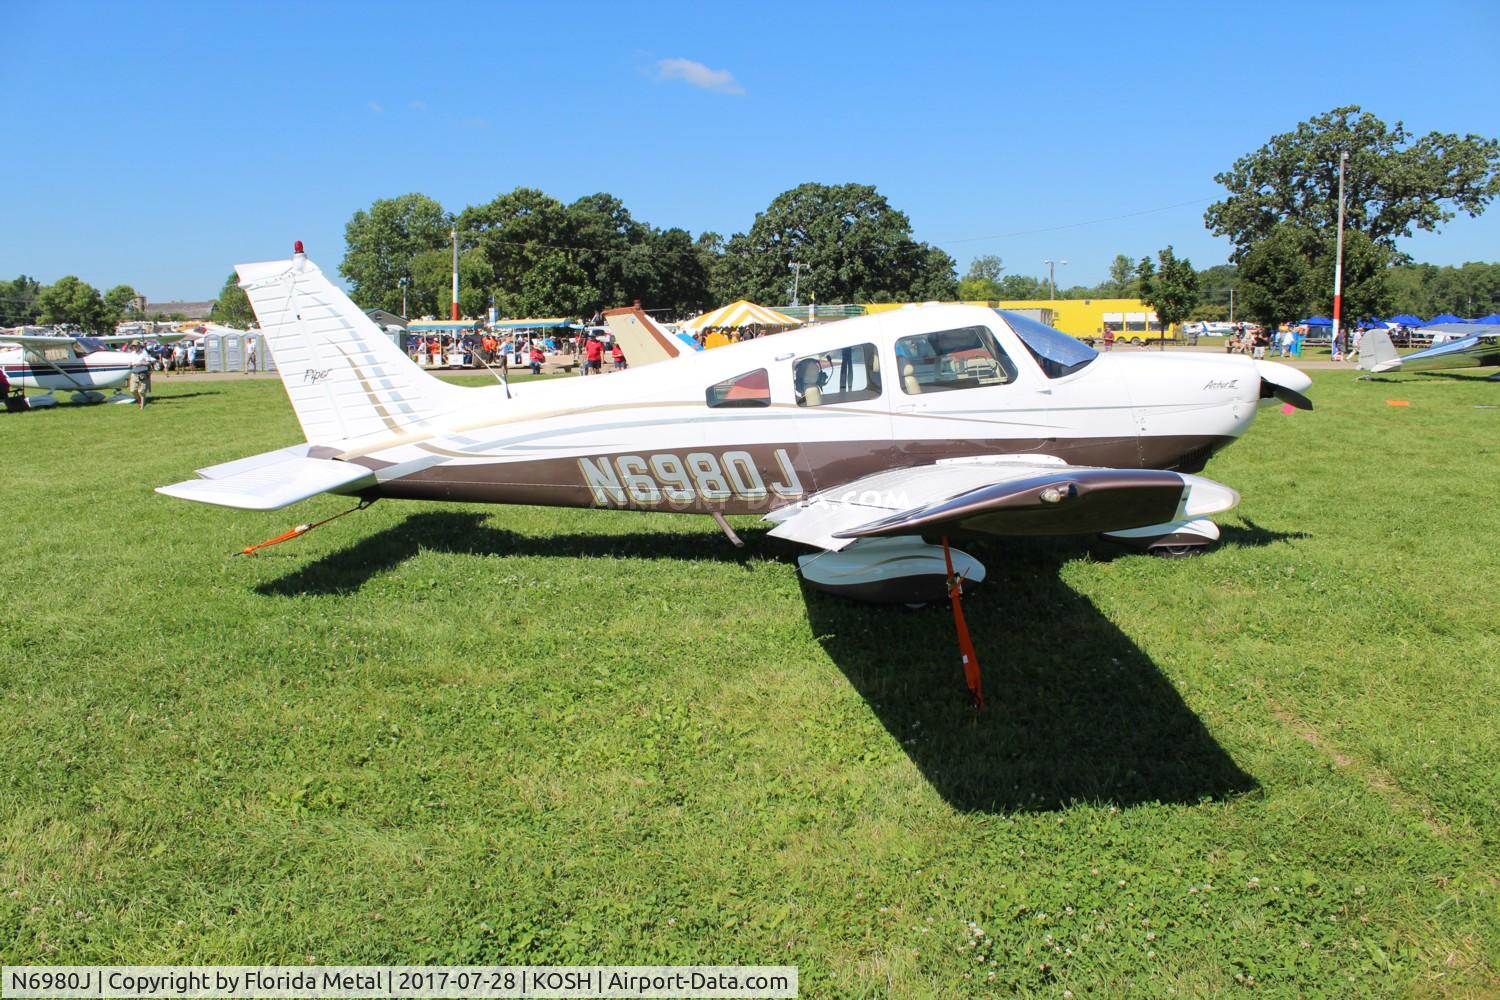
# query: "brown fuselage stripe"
[[559, 482]]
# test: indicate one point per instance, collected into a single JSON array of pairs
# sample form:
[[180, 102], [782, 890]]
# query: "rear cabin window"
[[952, 359], [749, 389], [845, 375]]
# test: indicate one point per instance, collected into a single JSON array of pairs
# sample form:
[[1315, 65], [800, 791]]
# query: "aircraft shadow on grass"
[[1397, 378], [1077, 712], [173, 397]]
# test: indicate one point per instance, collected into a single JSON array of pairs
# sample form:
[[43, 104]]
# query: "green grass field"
[[461, 734]]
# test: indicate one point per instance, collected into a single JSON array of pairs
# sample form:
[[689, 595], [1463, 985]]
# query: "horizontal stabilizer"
[[225, 470], [273, 484]]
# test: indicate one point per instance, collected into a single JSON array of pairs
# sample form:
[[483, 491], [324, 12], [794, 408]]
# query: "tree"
[[18, 301], [558, 285], [1276, 278], [119, 303], [935, 280], [857, 248], [680, 275], [1170, 289], [1394, 183], [1426, 290], [1366, 285], [515, 231], [1215, 286], [431, 290], [611, 251], [982, 281], [381, 244], [1022, 287], [232, 308], [74, 302], [1121, 283]]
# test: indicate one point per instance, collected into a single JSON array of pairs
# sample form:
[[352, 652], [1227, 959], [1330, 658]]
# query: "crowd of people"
[[1287, 341], [486, 348]]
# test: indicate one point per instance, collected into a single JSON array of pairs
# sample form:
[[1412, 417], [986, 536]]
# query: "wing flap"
[[270, 485]]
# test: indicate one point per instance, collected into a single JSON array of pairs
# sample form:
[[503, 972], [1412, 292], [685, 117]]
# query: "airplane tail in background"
[[642, 340], [1377, 353], [345, 378]]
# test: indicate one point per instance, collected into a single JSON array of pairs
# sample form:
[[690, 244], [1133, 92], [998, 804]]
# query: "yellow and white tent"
[[738, 315]]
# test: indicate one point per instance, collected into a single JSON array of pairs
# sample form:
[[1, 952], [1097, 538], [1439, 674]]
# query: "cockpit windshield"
[[84, 346], [1057, 353]]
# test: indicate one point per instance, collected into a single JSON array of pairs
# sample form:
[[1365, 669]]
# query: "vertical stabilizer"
[[642, 340], [345, 378], [1377, 353]]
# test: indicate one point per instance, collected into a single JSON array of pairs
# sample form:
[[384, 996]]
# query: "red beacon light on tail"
[[297, 247]]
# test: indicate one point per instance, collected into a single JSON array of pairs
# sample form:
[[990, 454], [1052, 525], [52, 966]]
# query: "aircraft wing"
[[1037, 495], [37, 343], [162, 338], [271, 481]]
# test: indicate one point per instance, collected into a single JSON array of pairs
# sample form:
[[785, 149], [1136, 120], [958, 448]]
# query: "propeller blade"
[[1291, 396], [1285, 383]]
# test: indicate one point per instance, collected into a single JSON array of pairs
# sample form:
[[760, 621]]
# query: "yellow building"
[[1131, 319]]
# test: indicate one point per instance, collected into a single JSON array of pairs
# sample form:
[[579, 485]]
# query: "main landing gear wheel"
[[1176, 551], [1173, 540]]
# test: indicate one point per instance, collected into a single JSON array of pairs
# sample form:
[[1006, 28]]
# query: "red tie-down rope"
[[965, 644], [299, 530]]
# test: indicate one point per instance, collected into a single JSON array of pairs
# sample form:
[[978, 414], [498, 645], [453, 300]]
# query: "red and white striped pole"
[[1338, 258], [455, 272]]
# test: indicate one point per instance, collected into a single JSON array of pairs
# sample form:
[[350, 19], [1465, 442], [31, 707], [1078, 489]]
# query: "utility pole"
[[1231, 305], [455, 272], [1052, 277], [404, 283], [1338, 256], [796, 267]]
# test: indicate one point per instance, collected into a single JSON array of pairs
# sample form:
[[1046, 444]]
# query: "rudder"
[[345, 378]]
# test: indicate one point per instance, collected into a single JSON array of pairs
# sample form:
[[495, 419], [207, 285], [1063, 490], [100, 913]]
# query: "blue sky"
[[158, 144]]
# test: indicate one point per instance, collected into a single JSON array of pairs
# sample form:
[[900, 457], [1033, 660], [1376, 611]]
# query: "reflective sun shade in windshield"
[[1057, 353]]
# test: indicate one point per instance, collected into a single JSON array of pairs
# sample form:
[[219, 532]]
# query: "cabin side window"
[[749, 389], [952, 359], [843, 375]]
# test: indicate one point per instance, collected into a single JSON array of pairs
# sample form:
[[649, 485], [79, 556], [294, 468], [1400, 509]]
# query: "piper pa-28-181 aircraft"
[[1468, 345], [80, 365], [860, 438]]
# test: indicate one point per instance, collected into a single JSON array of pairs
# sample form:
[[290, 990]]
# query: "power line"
[[1075, 225]]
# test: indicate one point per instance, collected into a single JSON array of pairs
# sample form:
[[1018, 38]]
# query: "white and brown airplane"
[[863, 439]]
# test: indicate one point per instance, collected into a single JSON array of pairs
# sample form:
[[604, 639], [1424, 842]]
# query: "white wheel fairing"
[[902, 570]]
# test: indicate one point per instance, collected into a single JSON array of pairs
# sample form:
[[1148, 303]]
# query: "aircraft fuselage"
[[735, 429]]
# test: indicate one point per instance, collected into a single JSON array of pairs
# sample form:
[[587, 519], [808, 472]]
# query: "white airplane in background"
[[76, 364], [862, 438], [1464, 345]]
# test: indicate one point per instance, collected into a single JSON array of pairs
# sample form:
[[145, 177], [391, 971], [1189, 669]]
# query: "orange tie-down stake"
[[298, 531], [965, 644]]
